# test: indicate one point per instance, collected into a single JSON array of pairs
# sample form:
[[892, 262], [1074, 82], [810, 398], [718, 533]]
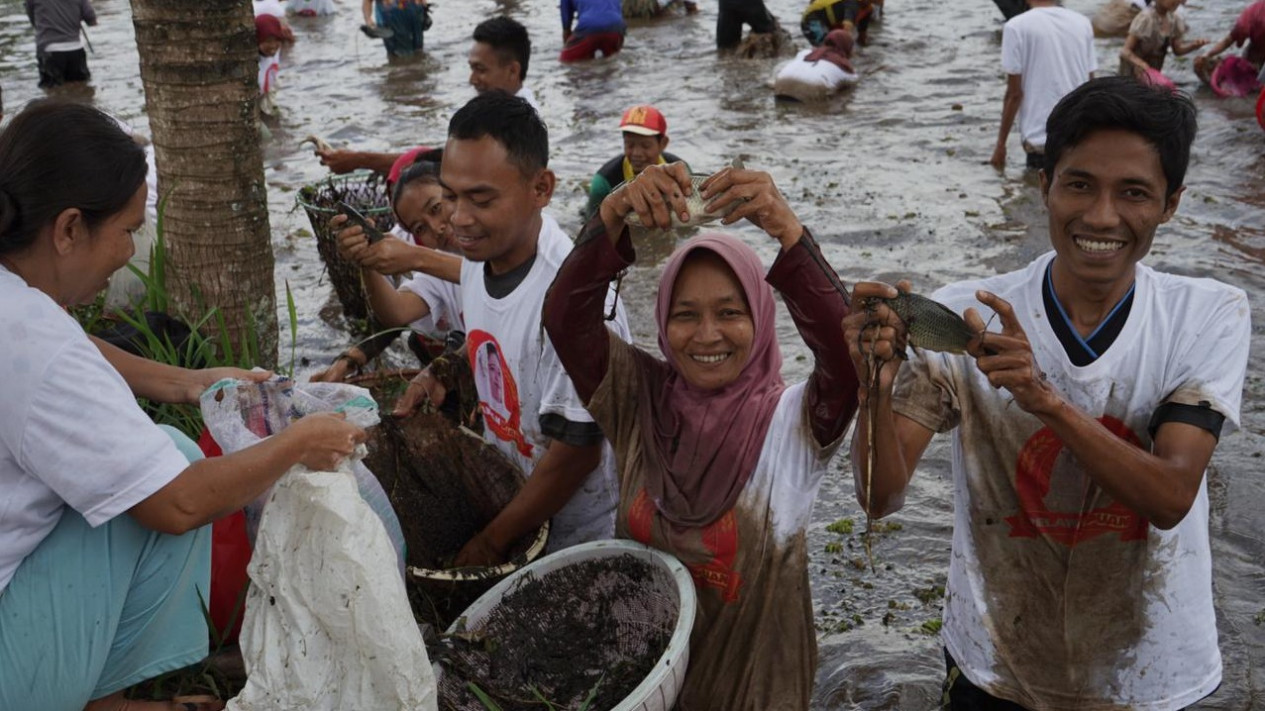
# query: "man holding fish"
[[1081, 569]]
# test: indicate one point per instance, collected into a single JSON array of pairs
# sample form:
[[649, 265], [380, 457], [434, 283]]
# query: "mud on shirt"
[[1060, 598], [520, 380], [754, 647]]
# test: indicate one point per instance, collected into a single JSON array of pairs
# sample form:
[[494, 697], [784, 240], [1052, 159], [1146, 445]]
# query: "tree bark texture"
[[199, 62]]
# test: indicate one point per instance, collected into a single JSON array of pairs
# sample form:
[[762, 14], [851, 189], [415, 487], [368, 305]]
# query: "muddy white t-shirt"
[[753, 647], [1060, 598], [71, 433], [1053, 48], [519, 378]]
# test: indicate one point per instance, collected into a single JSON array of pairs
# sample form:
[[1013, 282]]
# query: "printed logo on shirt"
[[1032, 480], [711, 559], [498, 393]]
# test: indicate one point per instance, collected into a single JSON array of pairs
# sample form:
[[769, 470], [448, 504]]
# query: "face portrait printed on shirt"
[[498, 391]]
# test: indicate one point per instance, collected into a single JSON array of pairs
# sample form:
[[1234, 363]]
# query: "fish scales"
[[694, 204], [930, 324]]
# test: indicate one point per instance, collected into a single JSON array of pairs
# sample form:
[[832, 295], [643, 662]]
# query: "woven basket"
[[366, 191], [652, 613], [445, 484]]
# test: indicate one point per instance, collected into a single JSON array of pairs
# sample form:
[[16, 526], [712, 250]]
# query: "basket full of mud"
[[365, 191], [445, 484], [601, 626]]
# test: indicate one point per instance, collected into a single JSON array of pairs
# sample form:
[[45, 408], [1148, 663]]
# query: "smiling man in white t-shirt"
[[495, 175], [1046, 52], [1081, 573]]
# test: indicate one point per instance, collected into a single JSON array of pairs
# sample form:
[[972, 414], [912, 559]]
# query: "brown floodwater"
[[892, 179]]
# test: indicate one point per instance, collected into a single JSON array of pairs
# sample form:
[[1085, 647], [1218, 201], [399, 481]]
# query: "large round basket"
[[445, 484], [661, 606], [366, 191]]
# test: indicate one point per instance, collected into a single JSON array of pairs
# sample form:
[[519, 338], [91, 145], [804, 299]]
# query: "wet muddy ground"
[[890, 176]]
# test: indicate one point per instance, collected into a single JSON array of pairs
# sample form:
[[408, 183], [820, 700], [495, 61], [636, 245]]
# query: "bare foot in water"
[[116, 702]]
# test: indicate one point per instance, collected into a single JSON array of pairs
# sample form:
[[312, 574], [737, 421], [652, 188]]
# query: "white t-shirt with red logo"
[[519, 378], [1058, 597]]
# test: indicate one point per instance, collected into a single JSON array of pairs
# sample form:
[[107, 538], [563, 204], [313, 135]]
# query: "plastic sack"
[[239, 414], [328, 625]]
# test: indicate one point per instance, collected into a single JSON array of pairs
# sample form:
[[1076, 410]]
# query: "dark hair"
[[424, 169], [1165, 119], [508, 39], [56, 155], [511, 122]]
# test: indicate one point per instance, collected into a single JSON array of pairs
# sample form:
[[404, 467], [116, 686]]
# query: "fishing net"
[[445, 484], [584, 635], [367, 192]]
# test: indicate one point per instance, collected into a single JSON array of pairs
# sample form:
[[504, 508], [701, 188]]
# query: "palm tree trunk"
[[199, 65]]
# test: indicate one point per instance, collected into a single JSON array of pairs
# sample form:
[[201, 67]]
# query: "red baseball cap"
[[644, 120]]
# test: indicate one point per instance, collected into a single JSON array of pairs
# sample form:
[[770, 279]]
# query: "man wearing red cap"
[[645, 136]]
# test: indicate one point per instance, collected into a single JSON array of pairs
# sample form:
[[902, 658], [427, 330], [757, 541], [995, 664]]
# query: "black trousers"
[[57, 68], [734, 14]]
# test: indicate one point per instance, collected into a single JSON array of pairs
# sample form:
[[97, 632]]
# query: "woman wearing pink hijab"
[[719, 461]]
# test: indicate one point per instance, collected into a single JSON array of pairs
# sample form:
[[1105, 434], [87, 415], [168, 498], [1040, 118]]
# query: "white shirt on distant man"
[[1052, 48]]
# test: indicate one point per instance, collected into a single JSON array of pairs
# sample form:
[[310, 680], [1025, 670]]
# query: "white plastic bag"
[[328, 625], [239, 414]]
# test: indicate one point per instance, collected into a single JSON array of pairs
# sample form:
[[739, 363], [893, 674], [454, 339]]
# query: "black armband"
[[1201, 416], [576, 434]]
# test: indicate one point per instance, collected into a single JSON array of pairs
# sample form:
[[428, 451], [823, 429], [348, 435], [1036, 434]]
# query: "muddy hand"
[[423, 388], [757, 199], [327, 438], [655, 195], [388, 256], [1006, 358], [336, 372], [875, 332], [351, 239], [478, 551]]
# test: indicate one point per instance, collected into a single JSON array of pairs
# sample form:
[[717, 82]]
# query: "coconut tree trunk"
[[199, 64]]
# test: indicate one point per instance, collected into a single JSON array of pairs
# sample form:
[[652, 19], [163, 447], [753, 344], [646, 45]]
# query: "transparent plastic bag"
[[239, 414]]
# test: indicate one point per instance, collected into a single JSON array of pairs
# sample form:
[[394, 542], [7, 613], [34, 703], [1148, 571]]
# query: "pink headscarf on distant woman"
[[836, 49], [707, 442]]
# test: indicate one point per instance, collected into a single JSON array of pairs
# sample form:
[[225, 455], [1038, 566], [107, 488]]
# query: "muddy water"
[[892, 179]]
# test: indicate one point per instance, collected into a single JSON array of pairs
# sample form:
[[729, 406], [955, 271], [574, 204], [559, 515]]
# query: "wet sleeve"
[[1011, 50], [89, 14], [924, 392], [804, 279], [574, 312]]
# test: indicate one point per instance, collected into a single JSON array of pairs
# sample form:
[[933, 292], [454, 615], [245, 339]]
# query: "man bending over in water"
[[1081, 570]]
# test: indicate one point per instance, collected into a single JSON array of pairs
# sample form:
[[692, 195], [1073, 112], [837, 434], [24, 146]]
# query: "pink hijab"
[[707, 442], [836, 49]]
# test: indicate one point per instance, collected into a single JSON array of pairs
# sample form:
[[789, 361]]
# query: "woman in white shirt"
[[104, 543]]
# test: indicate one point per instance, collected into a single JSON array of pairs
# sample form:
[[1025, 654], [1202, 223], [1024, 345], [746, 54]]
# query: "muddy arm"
[[574, 312], [818, 308]]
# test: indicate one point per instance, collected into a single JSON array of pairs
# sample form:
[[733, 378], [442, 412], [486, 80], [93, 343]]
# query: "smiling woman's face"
[[709, 325]]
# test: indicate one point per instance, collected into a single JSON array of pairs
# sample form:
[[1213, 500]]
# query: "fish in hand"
[[694, 204], [930, 324]]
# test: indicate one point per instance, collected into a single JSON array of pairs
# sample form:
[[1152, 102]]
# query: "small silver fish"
[[317, 142], [694, 204], [930, 324]]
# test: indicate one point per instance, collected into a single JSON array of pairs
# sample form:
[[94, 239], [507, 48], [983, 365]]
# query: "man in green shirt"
[[645, 138]]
